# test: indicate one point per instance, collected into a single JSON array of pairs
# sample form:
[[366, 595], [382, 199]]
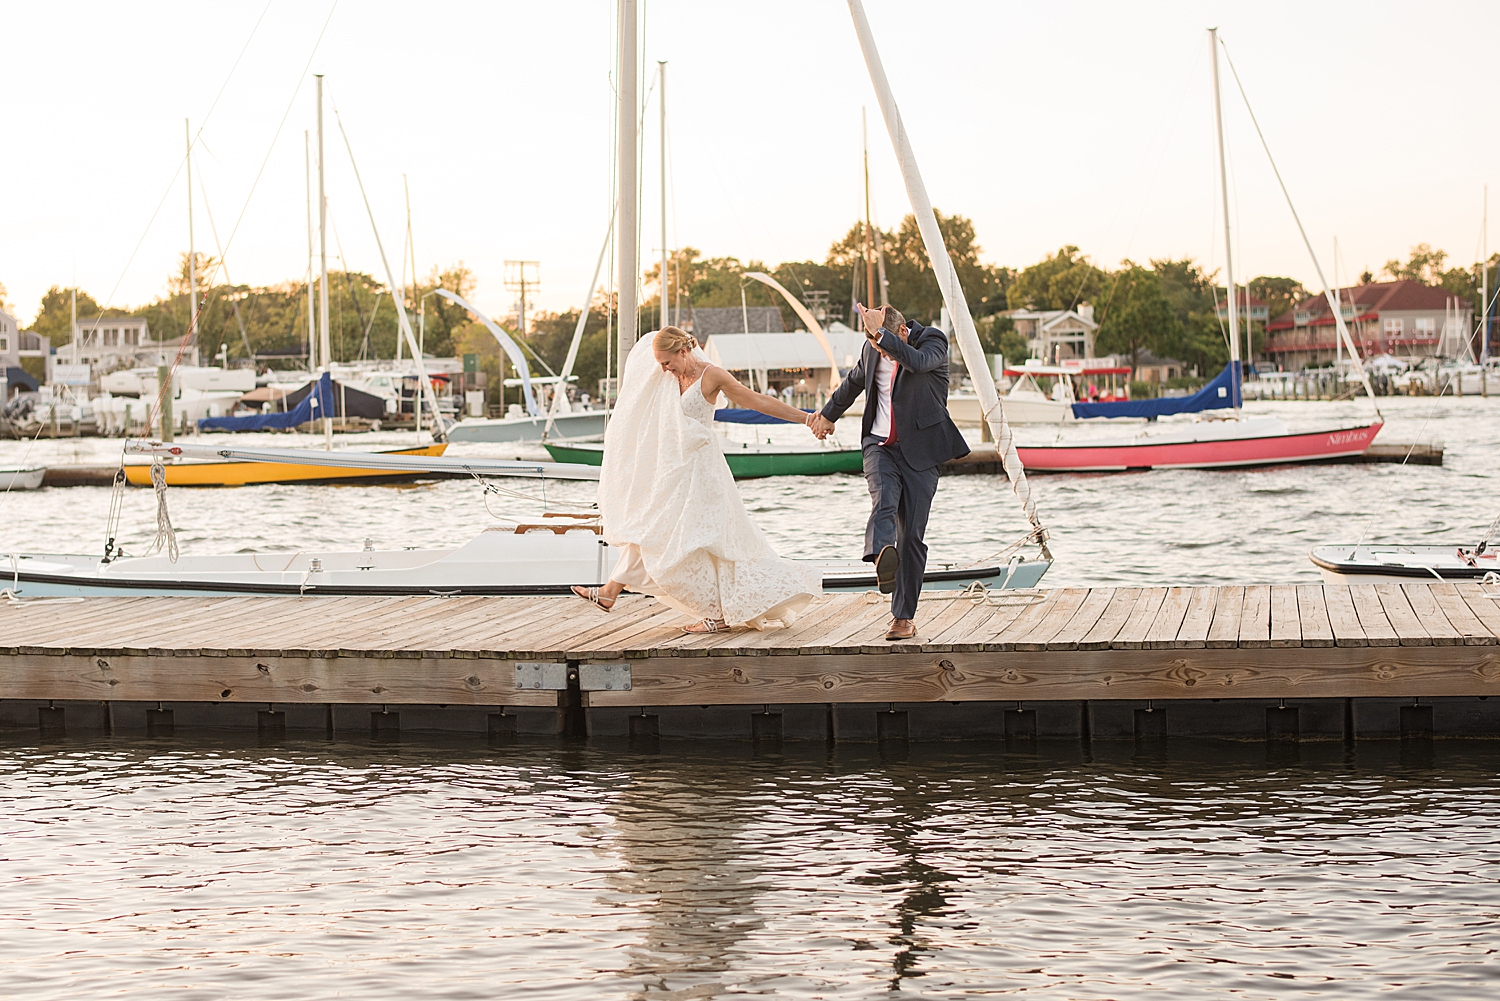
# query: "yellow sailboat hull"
[[238, 474]]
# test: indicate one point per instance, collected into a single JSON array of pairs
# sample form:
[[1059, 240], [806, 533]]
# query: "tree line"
[[1167, 307]]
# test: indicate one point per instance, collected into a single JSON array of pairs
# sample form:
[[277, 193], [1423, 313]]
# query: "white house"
[[16, 344], [779, 360], [1055, 334], [108, 343]]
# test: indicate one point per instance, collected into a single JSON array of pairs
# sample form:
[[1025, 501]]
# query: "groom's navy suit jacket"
[[919, 399]]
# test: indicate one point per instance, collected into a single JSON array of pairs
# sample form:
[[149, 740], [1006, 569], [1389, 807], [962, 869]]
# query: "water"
[[1166, 527], [210, 867], [208, 870]]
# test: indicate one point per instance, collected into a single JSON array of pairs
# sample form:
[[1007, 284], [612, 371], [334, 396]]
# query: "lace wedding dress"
[[667, 499]]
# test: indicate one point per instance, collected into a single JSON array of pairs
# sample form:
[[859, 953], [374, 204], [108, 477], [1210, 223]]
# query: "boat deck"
[[1278, 642]]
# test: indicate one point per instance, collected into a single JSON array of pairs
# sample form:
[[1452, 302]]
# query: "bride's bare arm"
[[716, 381]]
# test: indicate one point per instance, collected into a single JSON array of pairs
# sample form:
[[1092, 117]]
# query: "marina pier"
[[1252, 662]]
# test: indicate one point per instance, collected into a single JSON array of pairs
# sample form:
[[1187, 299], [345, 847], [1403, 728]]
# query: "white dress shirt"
[[885, 377]]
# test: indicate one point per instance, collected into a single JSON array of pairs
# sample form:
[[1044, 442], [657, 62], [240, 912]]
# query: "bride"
[[667, 499]]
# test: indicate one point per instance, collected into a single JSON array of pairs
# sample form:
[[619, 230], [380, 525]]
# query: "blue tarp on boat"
[[737, 415], [315, 404], [1221, 394]]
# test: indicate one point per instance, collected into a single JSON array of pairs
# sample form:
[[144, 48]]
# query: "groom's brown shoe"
[[902, 629], [886, 565]]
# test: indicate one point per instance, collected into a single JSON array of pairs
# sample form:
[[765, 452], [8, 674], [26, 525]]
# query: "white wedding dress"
[[667, 499]]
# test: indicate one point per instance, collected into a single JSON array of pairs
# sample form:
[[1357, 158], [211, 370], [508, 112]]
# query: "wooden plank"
[[988, 622], [1224, 631], [1398, 612], [862, 619], [1480, 601], [1193, 633], [836, 626], [932, 630], [1372, 618], [1064, 608], [1462, 617], [1312, 612], [1286, 620], [1116, 614], [1164, 628], [1430, 614], [1132, 635], [1343, 618], [1256, 673], [1005, 639], [1087, 616], [1255, 617], [808, 625]]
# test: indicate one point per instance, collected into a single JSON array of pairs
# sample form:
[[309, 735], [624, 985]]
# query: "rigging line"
[[204, 302], [109, 299], [238, 319], [230, 75], [1338, 313], [282, 124], [1187, 81]]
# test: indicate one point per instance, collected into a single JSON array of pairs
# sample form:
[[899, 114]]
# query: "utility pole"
[[518, 280], [627, 270]]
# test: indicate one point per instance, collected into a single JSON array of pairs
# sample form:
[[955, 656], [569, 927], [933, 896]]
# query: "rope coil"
[[166, 535]]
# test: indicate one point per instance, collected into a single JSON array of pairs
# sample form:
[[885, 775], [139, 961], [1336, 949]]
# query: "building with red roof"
[[1403, 318]]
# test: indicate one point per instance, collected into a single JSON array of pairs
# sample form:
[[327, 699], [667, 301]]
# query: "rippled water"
[[211, 868], [173, 869], [1165, 527]]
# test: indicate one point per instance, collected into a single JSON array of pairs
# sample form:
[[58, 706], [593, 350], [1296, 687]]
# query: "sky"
[[1046, 124]]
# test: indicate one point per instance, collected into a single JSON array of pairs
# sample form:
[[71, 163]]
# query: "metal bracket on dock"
[[604, 677], [542, 675]]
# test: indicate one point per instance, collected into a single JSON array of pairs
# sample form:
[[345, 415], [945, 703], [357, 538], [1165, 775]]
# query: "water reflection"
[[218, 868]]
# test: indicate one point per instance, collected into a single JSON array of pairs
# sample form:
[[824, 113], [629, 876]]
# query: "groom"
[[906, 435]]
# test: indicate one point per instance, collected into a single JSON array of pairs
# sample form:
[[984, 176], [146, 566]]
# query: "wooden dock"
[[1071, 653]]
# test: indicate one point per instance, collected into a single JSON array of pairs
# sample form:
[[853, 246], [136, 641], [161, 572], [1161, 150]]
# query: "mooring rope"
[[165, 533]]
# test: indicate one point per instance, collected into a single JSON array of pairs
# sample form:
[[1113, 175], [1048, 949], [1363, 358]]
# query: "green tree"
[[1424, 265], [1140, 318], [1062, 281], [54, 317]]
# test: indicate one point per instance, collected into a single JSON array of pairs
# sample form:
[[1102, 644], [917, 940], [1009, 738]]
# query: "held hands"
[[821, 426]]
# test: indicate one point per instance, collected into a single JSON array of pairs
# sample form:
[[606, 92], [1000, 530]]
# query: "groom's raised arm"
[[932, 353]]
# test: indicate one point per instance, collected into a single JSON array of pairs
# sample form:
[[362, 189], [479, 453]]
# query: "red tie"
[[895, 367]]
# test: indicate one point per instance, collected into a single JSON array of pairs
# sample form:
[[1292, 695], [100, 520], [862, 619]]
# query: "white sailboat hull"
[[496, 562], [581, 424]]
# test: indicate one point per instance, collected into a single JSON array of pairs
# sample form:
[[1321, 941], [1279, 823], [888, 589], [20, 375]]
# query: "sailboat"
[[1236, 442]]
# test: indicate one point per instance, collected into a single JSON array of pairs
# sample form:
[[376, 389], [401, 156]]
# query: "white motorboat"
[[545, 558], [1383, 563], [21, 477], [1027, 403]]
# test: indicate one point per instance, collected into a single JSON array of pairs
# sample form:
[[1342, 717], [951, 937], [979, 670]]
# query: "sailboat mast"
[[324, 352], [1234, 310], [192, 255], [312, 323], [871, 296], [625, 172], [661, 69]]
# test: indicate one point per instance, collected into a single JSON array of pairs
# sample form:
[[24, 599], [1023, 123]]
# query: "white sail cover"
[[665, 488]]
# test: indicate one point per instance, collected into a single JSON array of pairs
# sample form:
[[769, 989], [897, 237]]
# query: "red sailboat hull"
[[1222, 453]]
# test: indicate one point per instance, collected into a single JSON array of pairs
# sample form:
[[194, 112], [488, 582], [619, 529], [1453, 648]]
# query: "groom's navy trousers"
[[900, 500], [903, 474]]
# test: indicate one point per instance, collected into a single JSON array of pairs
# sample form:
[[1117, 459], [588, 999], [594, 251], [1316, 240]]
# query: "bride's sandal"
[[591, 595], [706, 626]]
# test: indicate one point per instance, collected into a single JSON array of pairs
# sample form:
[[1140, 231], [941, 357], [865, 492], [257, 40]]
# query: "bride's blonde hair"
[[673, 340]]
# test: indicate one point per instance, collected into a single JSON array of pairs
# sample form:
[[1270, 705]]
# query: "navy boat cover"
[[1221, 394], [314, 404], [737, 415]]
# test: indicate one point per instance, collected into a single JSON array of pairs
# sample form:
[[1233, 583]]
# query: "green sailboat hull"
[[746, 464]]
